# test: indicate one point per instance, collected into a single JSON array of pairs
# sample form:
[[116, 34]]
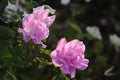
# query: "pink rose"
[[70, 56], [36, 25]]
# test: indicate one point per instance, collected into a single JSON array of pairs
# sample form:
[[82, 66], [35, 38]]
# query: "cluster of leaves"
[[20, 60]]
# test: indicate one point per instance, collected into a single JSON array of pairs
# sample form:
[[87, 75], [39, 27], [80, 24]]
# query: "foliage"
[[27, 61]]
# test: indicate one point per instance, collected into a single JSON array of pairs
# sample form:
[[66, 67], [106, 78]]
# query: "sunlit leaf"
[[52, 11]]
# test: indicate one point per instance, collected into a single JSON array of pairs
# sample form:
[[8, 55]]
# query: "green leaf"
[[3, 4], [52, 11], [98, 47], [74, 26], [78, 10], [6, 61], [13, 1], [58, 78], [6, 32], [5, 43], [4, 50], [9, 76], [47, 52], [18, 52], [30, 4], [5, 53], [100, 61]]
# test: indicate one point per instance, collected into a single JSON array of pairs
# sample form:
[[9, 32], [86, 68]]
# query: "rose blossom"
[[69, 56], [36, 25]]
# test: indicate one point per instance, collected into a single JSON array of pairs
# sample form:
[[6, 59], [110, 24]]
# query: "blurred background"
[[95, 22]]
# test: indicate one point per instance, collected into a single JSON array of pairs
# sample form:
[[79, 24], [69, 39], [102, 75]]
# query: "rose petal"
[[61, 44]]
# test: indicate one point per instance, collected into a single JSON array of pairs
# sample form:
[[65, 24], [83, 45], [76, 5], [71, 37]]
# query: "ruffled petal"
[[49, 20], [72, 72], [65, 69], [61, 44], [38, 9], [82, 65], [76, 46], [26, 38], [55, 58]]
